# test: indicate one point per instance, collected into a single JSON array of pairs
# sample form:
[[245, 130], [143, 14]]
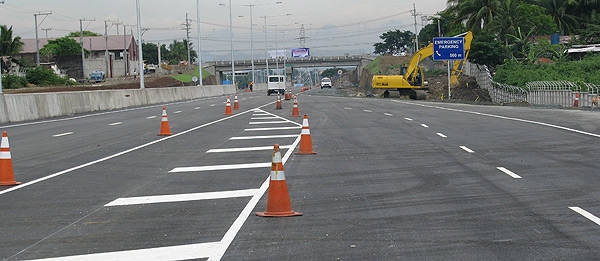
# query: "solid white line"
[[388, 114], [241, 219], [586, 214], [264, 137], [267, 122], [221, 167], [408, 119], [367, 110], [467, 149], [102, 113], [178, 112], [121, 153], [507, 118], [246, 149], [271, 114], [424, 125], [181, 197], [508, 172], [276, 128], [115, 124], [151, 117], [442, 135], [260, 114], [264, 118], [62, 134], [347, 108], [182, 252]]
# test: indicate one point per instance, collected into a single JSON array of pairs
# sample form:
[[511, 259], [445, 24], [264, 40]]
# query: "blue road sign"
[[448, 48]]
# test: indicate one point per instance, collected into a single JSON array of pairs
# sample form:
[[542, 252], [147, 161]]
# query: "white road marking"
[[467, 149], [221, 167], [586, 214], [177, 112], [424, 125], [60, 173], [151, 117], [213, 105], [267, 122], [246, 149], [264, 137], [388, 114], [507, 118], [408, 119], [276, 128], [241, 219], [197, 108], [264, 118], [271, 114], [62, 134], [347, 108], [182, 252], [508, 172], [442, 135], [181, 197], [260, 114], [115, 123], [367, 110]]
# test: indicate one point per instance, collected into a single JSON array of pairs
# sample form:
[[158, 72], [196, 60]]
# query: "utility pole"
[[46, 31], [140, 54], [159, 58], [81, 42], [187, 33], [302, 36], [106, 48], [37, 40], [125, 56], [252, 40], [414, 14], [266, 52], [276, 47], [198, 43], [231, 42]]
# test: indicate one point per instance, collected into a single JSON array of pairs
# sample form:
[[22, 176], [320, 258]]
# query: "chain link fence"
[[544, 93]]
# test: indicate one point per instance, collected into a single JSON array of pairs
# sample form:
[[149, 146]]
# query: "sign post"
[[448, 49]]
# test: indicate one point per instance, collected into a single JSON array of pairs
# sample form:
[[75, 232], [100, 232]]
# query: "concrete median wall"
[[25, 107]]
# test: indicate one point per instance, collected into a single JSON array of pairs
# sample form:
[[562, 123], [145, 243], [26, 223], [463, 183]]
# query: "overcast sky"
[[334, 27]]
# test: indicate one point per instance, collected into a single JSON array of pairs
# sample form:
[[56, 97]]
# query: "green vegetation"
[[518, 74], [45, 77], [187, 77], [60, 47], [173, 54], [375, 66], [331, 72], [395, 42], [10, 81], [9, 46], [85, 33]]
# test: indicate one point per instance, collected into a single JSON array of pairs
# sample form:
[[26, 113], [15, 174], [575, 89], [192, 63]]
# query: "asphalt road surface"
[[392, 180]]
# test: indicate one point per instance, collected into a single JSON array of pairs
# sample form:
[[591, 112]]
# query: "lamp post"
[[140, 55], [199, 47]]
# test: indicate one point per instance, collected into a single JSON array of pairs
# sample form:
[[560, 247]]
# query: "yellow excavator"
[[411, 81]]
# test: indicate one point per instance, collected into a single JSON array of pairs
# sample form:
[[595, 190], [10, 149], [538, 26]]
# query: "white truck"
[[276, 84]]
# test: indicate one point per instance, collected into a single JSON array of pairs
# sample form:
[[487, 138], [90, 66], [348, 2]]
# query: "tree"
[[64, 46], [85, 33], [486, 50], [178, 52], [558, 10], [331, 72], [449, 26], [9, 46], [475, 13], [150, 52], [395, 42]]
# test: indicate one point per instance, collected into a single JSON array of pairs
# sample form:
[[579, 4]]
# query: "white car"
[[326, 83]]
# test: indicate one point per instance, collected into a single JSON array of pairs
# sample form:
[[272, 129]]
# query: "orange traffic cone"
[[305, 140], [576, 104], [278, 199], [236, 105], [228, 107], [7, 177], [295, 110], [278, 105], [164, 124]]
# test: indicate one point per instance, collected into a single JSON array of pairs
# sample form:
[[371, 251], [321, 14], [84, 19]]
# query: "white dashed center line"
[[178, 112], [347, 108], [424, 125], [508, 172], [442, 135], [213, 105], [388, 114], [151, 117], [62, 134], [115, 124], [586, 214], [367, 110], [197, 108], [467, 149], [408, 119]]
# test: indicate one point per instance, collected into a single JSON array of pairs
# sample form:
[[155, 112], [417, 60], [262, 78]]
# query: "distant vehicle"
[[326, 83], [150, 68], [276, 84], [97, 76]]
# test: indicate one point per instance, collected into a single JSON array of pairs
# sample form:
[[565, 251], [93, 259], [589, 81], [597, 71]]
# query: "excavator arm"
[[413, 67], [457, 69]]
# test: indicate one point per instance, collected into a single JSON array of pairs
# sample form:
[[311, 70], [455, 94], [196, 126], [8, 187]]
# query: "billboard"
[[277, 53], [301, 52]]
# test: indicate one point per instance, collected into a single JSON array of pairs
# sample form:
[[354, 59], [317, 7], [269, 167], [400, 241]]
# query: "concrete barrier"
[[35, 106]]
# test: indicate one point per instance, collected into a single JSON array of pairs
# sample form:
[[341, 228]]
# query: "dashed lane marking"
[[367, 110], [151, 117], [425, 125], [408, 119], [467, 149], [115, 123], [347, 108], [389, 114], [181, 197], [267, 122], [275, 128], [221, 167], [246, 149], [508, 172], [197, 108], [62, 134], [586, 214], [178, 112], [264, 137], [442, 135], [213, 105]]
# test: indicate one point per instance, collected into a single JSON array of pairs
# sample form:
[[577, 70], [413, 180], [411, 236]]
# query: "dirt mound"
[[162, 82], [467, 90]]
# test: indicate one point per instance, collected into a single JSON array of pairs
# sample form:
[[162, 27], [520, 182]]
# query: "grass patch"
[[187, 77], [375, 66]]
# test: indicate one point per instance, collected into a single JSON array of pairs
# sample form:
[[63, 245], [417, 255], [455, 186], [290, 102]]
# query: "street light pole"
[[199, 47], [231, 43], [140, 55], [252, 40], [266, 52]]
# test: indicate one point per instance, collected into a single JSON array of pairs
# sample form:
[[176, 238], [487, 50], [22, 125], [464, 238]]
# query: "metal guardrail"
[[499, 93]]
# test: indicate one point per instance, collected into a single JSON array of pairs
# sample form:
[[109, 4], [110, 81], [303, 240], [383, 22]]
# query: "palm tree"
[[476, 13], [9, 46], [559, 10]]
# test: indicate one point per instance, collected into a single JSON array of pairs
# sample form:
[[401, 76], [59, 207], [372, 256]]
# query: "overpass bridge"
[[217, 68]]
